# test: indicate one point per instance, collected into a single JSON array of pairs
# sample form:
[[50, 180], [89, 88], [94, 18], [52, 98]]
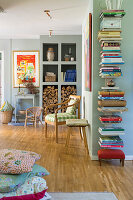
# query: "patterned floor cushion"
[[60, 116], [32, 185]]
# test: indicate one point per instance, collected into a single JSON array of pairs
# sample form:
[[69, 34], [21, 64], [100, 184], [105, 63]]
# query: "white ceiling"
[[26, 18]]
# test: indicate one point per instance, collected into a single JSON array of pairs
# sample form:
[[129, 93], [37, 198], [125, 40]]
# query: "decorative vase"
[[110, 83], [50, 54]]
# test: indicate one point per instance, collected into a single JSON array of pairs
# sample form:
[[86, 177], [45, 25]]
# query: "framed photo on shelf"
[[26, 65], [88, 52]]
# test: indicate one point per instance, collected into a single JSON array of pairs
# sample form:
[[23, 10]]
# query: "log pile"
[[50, 96], [66, 91]]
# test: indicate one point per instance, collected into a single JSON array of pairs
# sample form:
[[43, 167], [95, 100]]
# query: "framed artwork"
[[26, 67], [88, 52]]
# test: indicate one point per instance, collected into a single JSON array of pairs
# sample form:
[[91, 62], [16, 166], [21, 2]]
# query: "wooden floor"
[[71, 170]]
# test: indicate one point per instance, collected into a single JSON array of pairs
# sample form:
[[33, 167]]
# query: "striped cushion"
[[61, 117]]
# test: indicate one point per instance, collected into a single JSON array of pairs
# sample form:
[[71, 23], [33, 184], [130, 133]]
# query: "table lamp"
[[19, 82]]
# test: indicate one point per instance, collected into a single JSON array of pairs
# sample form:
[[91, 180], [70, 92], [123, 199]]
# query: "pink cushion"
[[111, 154], [14, 161], [36, 196]]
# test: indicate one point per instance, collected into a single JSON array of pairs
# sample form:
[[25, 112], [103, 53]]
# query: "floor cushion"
[[14, 161], [61, 117], [32, 185], [11, 182]]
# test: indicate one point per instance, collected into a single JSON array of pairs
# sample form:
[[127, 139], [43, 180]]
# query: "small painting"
[[26, 67]]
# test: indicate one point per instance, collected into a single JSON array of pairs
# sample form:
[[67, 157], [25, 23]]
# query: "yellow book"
[[109, 33]]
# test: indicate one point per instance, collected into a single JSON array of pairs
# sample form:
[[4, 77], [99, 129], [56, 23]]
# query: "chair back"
[[78, 99], [35, 111]]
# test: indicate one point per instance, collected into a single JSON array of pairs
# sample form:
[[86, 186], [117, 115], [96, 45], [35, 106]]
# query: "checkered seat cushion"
[[61, 117]]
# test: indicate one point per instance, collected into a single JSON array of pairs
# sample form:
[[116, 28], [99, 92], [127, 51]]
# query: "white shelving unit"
[[75, 42]]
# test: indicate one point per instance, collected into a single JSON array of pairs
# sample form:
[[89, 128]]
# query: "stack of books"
[[111, 141], [111, 131], [109, 72], [70, 76], [111, 95], [113, 119], [111, 99]]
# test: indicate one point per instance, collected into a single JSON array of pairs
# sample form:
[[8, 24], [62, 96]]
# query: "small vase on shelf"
[[50, 54]]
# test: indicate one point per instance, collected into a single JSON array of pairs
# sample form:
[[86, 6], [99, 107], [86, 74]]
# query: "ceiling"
[[26, 18]]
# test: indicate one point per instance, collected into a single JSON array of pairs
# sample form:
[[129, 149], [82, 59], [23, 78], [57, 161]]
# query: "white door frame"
[[2, 76]]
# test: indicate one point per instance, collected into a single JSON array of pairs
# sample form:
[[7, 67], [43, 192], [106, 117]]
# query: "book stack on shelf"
[[111, 100], [69, 76], [111, 142]]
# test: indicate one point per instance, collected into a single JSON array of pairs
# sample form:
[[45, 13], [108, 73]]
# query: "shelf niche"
[[50, 96], [50, 68], [66, 91], [68, 49], [45, 49], [64, 68]]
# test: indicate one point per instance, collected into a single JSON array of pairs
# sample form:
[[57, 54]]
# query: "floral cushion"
[[17, 161], [61, 117], [10, 182], [71, 110], [33, 185]]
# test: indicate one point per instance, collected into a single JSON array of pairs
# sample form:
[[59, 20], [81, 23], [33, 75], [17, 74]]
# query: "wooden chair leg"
[[25, 122], [56, 132], [80, 133], [45, 129], [35, 123], [85, 139], [68, 136], [100, 162], [122, 160]]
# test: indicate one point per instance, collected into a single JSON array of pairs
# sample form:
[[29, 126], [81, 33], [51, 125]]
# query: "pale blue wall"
[[125, 83], [5, 46]]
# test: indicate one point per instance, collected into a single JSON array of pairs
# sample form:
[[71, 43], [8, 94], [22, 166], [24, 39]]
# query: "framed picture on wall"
[[88, 52], [26, 67]]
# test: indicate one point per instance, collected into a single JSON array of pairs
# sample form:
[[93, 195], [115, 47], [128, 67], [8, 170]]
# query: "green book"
[[112, 14], [113, 129], [110, 138]]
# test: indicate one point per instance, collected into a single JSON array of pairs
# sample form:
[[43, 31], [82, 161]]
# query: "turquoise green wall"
[[125, 83]]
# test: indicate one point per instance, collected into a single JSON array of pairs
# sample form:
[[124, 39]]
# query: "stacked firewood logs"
[[50, 96], [66, 91]]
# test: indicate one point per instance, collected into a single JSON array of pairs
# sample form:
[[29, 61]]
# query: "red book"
[[111, 119], [111, 146], [113, 95], [109, 54]]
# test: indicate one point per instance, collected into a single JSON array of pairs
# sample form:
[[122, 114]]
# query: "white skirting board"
[[127, 157]]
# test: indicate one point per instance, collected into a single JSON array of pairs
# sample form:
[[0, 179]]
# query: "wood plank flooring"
[[71, 170]]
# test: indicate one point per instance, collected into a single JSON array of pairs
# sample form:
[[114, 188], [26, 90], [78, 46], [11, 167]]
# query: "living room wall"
[[5, 46], [124, 82], [20, 45], [9, 45]]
